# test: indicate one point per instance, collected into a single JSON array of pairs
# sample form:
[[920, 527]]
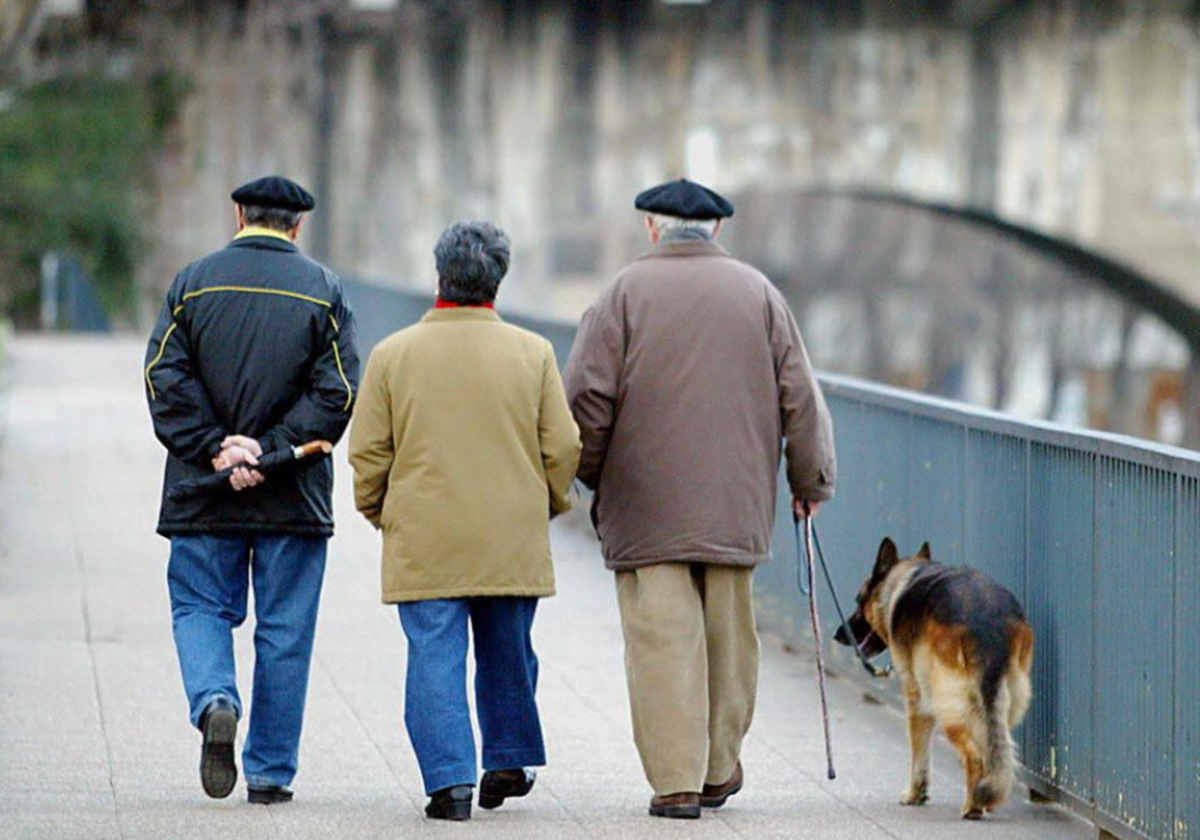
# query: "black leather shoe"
[[498, 785], [218, 729], [452, 803], [268, 795]]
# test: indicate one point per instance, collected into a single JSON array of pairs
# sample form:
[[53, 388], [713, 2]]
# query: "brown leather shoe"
[[676, 806], [714, 796]]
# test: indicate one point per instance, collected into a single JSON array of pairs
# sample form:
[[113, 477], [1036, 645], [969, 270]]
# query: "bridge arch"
[[962, 303]]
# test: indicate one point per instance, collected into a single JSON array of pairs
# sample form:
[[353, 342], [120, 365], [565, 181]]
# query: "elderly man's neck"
[[686, 234]]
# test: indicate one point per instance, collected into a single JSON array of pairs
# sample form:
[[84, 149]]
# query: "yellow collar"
[[253, 230]]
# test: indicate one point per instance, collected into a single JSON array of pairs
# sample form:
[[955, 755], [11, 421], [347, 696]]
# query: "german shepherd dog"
[[963, 649]]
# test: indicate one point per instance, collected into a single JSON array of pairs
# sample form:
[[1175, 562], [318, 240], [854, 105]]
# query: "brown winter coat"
[[685, 377], [463, 447]]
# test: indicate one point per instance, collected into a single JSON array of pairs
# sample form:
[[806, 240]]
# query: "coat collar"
[[687, 248], [257, 230], [462, 313], [263, 241]]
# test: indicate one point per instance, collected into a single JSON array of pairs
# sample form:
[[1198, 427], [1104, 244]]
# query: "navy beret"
[[684, 199], [275, 191]]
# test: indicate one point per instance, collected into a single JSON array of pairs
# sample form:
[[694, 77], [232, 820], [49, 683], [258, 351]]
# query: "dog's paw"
[[972, 812], [914, 796]]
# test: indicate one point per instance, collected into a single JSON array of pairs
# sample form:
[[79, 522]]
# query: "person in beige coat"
[[463, 448], [686, 377]]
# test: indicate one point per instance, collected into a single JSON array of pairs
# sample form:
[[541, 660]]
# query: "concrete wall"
[[1079, 118]]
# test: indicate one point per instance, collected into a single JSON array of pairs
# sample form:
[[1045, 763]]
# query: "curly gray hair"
[[472, 259]]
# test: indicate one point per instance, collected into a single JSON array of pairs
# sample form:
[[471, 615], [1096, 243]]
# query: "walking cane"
[[816, 625]]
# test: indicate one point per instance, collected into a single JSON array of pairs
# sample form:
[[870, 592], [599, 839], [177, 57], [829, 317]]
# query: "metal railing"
[[68, 296], [1099, 537], [1097, 534]]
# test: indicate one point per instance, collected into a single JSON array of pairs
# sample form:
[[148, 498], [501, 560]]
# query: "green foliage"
[[73, 154]]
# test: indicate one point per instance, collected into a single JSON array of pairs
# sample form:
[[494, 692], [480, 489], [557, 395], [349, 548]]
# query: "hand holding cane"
[[268, 463], [816, 625]]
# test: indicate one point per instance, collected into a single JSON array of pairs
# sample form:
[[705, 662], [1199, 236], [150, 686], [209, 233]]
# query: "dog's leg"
[[920, 727], [960, 737]]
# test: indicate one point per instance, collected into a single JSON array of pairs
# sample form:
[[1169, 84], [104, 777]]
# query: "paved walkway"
[[94, 739]]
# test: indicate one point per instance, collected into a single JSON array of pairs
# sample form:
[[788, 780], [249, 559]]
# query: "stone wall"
[[1079, 117]]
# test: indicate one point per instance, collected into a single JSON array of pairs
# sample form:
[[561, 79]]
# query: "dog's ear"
[[925, 553], [888, 557]]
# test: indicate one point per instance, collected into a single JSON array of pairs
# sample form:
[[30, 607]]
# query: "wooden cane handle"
[[314, 447]]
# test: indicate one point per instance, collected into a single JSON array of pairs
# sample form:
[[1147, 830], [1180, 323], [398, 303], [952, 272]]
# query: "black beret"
[[684, 199], [275, 191]]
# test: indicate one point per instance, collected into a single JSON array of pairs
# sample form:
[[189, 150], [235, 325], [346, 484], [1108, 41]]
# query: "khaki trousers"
[[691, 659]]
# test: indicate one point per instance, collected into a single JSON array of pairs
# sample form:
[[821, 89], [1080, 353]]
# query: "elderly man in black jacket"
[[254, 351]]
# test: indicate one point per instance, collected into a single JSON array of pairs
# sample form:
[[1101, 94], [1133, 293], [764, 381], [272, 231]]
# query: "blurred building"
[[1079, 119]]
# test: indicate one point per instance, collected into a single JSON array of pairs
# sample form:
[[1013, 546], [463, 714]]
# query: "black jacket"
[[257, 340]]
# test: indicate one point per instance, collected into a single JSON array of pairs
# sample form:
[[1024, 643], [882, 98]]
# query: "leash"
[[815, 539], [816, 625]]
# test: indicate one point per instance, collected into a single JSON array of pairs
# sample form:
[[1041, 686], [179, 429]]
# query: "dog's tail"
[[1005, 692], [999, 759]]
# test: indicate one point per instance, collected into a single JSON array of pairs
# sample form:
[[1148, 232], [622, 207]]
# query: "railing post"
[[49, 300]]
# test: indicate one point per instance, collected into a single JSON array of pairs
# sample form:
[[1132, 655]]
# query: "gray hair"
[[472, 259], [275, 218], [670, 224]]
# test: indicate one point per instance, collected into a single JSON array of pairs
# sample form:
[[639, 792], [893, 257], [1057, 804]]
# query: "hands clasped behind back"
[[237, 450]]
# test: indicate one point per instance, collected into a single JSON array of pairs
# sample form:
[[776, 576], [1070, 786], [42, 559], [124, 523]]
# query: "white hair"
[[669, 224]]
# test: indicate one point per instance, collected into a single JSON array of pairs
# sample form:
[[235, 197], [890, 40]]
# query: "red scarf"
[[447, 304]]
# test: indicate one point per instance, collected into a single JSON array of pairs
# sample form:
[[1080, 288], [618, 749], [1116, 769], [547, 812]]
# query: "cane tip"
[[832, 774]]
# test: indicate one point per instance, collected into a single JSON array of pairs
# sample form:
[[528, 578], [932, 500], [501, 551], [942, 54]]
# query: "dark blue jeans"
[[435, 702], [208, 578]]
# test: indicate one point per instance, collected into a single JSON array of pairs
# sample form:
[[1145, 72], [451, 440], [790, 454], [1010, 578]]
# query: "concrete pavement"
[[94, 738]]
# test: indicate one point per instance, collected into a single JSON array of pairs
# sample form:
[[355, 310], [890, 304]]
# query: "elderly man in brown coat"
[[686, 377]]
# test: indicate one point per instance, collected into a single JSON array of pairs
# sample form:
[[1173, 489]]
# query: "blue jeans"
[[435, 702], [208, 579]]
